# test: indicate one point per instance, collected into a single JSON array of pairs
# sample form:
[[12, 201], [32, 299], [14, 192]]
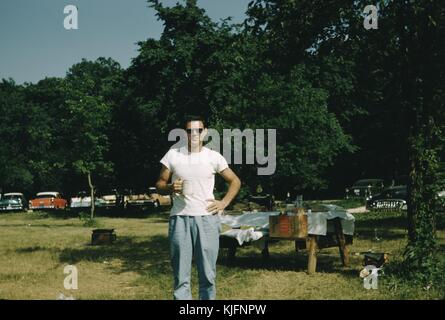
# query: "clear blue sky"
[[35, 45]]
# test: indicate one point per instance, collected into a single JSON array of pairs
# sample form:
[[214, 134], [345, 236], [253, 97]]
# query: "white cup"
[[187, 188]]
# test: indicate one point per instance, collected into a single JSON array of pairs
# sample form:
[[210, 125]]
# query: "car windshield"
[[45, 196], [11, 197], [365, 183], [106, 193], [395, 193], [400, 193]]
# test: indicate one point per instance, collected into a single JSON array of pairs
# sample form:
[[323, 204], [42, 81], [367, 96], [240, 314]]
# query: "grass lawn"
[[35, 248]]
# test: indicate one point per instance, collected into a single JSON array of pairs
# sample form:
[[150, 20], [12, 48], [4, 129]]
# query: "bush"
[[87, 221], [400, 273]]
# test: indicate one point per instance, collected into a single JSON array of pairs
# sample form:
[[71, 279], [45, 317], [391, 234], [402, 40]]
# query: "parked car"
[[107, 199], [395, 198], [158, 199], [48, 200], [83, 200], [138, 200], [400, 180], [392, 198], [13, 201], [365, 188], [143, 200]]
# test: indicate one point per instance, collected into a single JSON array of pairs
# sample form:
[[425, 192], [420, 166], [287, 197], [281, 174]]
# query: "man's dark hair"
[[194, 117]]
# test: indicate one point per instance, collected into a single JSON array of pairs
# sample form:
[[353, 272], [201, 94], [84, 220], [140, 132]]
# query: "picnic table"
[[312, 242]]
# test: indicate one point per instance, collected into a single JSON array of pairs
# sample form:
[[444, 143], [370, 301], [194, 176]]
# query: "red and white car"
[[48, 200]]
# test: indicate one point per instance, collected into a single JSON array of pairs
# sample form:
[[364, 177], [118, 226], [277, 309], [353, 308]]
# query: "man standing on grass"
[[194, 224]]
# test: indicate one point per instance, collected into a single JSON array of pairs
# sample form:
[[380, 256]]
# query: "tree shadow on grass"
[[292, 261], [34, 225], [136, 256], [55, 214], [152, 256], [389, 228], [135, 213], [370, 234], [399, 222], [30, 249]]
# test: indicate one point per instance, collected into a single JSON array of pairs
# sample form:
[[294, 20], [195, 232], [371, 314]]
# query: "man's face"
[[195, 131]]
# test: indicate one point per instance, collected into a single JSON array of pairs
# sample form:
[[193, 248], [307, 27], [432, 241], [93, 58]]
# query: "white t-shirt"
[[197, 170]]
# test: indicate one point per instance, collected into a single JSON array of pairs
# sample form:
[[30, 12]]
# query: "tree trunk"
[[424, 141], [92, 194], [415, 185]]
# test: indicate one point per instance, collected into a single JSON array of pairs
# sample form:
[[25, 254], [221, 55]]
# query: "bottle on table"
[[288, 199]]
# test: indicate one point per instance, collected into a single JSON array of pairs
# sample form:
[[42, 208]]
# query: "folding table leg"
[[343, 248], [265, 251], [312, 254]]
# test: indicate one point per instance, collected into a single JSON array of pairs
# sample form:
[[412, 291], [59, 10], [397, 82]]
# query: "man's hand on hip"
[[216, 206]]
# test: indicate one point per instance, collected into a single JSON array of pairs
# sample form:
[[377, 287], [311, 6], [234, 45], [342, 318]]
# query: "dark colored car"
[[365, 188], [393, 198], [13, 201], [265, 201], [400, 180], [442, 204]]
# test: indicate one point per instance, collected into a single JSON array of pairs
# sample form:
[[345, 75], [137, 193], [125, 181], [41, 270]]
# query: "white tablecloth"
[[259, 223]]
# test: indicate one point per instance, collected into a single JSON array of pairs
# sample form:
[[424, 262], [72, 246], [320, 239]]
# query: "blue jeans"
[[198, 236]]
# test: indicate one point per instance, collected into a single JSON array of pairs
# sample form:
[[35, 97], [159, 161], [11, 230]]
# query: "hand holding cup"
[[177, 186]]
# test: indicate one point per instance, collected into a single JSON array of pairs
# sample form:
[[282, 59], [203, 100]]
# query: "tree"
[[309, 137], [393, 88], [170, 77], [45, 134], [89, 120], [324, 37], [423, 76], [14, 169], [221, 72]]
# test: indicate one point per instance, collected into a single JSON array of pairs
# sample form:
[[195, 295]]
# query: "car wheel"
[[156, 204]]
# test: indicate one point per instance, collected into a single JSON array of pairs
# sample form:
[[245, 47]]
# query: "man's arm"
[[163, 187], [234, 186]]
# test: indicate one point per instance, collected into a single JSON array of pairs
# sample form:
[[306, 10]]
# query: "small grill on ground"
[[103, 236]]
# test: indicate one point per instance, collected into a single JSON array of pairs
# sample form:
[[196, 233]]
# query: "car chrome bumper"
[[41, 207], [140, 204], [12, 208]]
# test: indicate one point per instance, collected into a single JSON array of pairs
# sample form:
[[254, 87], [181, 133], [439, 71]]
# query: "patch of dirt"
[[357, 210]]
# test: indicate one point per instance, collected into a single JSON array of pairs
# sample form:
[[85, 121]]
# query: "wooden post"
[[91, 194], [265, 251], [231, 253], [312, 254], [344, 251]]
